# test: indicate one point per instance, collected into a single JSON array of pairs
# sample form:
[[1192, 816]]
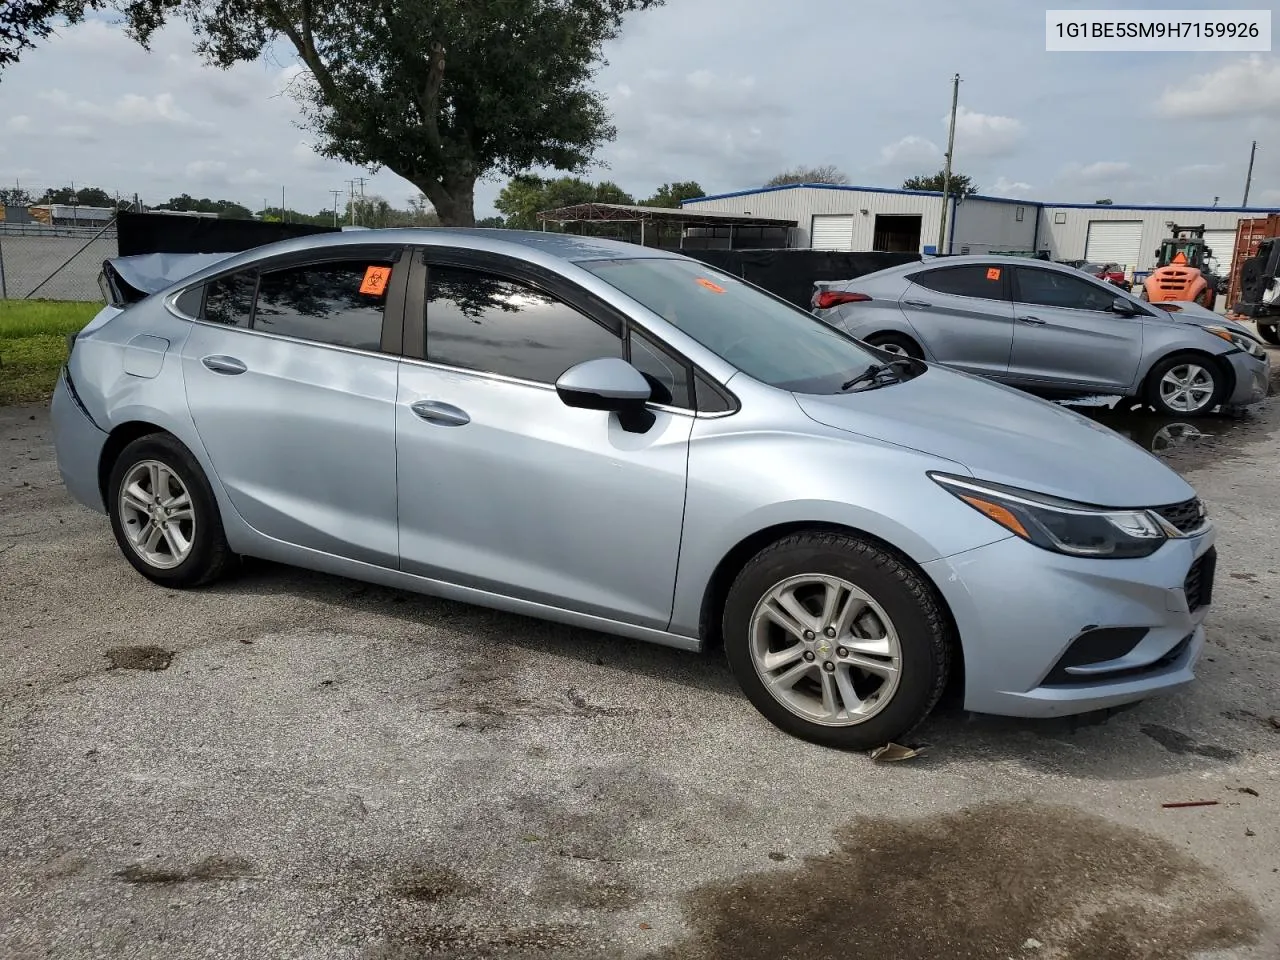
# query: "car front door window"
[[488, 323], [1049, 288]]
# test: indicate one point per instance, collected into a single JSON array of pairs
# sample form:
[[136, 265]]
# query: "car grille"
[[1199, 583], [1186, 516]]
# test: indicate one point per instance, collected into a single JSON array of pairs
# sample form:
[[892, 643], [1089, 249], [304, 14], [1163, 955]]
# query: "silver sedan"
[[1051, 328], [631, 441]]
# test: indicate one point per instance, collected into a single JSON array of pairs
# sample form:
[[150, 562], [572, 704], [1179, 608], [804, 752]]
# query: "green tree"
[[442, 92], [226, 209], [491, 222], [669, 195], [526, 194], [1104, 203], [15, 197], [823, 174], [961, 185], [84, 197]]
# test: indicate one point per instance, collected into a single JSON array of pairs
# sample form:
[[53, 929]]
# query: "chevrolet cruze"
[[629, 440]]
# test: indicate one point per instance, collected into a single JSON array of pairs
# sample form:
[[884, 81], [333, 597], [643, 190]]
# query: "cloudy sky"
[[725, 92]]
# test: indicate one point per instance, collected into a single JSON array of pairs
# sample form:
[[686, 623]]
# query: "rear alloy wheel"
[[1269, 332], [164, 515], [836, 640], [1185, 386], [897, 344]]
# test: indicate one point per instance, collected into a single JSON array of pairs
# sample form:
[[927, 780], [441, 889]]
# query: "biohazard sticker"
[[707, 284], [375, 281], [993, 273]]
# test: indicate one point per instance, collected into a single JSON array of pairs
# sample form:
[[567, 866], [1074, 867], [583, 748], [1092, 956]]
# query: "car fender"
[[857, 483], [1161, 339]]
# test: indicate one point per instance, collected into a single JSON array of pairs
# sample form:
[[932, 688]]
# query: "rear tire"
[[896, 343], [1269, 332], [1186, 385], [164, 515], [864, 653]]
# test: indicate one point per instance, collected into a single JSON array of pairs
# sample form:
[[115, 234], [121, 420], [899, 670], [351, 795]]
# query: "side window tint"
[[668, 376], [339, 303], [982, 280], [230, 299], [1052, 289], [190, 301], [479, 321], [710, 400]]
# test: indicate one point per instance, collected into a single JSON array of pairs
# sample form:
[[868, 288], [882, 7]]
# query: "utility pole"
[[336, 194], [363, 209], [1248, 177], [351, 202], [284, 217], [946, 170]]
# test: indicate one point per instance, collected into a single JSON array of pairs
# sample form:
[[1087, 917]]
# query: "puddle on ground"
[[210, 868], [1002, 880], [1153, 432], [139, 658]]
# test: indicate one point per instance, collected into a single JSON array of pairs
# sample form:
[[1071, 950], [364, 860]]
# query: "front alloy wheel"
[[1186, 387], [837, 639], [826, 650]]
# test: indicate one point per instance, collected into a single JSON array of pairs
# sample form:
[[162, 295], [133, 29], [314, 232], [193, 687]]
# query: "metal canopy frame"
[[635, 213]]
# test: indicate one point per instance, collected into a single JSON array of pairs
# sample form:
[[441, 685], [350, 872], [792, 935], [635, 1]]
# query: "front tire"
[[836, 640], [1269, 332], [1185, 385], [164, 515]]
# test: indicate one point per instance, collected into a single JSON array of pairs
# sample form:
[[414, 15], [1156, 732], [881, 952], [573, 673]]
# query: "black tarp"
[[791, 274], [140, 233]]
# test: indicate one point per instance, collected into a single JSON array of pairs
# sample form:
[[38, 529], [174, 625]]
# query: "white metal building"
[[875, 218]]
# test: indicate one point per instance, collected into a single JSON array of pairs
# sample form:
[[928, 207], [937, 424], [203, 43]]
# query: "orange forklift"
[[1181, 271]]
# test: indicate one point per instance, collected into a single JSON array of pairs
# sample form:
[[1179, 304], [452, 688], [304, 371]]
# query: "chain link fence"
[[53, 262]]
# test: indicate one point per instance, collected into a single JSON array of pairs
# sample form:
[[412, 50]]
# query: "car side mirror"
[[1123, 307], [609, 383]]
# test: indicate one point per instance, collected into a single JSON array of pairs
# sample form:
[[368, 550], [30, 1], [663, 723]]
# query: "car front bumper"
[[1048, 635], [78, 444], [1253, 378]]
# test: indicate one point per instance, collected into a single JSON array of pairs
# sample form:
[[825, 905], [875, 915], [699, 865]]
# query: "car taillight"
[[830, 298]]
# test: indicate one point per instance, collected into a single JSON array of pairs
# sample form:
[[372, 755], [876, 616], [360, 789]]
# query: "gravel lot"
[[292, 765]]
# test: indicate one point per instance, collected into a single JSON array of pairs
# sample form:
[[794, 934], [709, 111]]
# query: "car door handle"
[[229, 365], [917, 303], [445, 414], [1030, 320]]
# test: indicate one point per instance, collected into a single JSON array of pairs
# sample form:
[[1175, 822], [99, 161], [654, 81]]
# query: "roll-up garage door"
[[1222, 243], [1114, 241], [832, 232]]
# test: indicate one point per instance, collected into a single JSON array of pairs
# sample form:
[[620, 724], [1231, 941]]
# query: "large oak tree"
[[442, 92]]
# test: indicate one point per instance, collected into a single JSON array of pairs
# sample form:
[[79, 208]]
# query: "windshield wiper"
[[876, 370]]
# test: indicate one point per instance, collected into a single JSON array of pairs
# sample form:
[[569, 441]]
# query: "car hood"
[[1005, 436], [1187, 312]]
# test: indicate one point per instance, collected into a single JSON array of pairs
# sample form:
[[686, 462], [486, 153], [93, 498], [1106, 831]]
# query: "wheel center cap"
[[823, 648]]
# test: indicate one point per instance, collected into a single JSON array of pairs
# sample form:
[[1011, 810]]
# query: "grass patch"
[[33, 345]]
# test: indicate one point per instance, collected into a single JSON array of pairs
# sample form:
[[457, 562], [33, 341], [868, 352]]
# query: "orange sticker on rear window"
[[375, 281], [713, 287], [993, 273]]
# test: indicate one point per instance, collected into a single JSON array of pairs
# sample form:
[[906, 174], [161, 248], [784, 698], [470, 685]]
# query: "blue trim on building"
[[978, 196]]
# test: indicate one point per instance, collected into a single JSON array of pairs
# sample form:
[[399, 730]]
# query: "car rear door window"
[[229, 300], [339, 302], [667, 374], [984, 281], [1050, 288], [481, 321]]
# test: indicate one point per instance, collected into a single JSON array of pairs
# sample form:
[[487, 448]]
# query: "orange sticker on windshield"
[[375, 281], [713, 287], [993, 273]]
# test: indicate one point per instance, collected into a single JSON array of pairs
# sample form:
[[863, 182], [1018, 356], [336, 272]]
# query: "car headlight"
[[1247, 344], [1076, 529]]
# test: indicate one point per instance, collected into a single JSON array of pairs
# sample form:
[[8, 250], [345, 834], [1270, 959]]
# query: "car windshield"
[[766, 338]]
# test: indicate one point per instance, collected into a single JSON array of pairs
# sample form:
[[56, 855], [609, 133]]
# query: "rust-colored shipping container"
[[1248, 235]]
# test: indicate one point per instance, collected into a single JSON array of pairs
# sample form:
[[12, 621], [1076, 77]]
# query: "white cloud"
[[161, 108], [19, 123], [1248, 87], [984, 134], [1200, 169], [1099, 171], [1004, 187], [206, 170], [910, 152]]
